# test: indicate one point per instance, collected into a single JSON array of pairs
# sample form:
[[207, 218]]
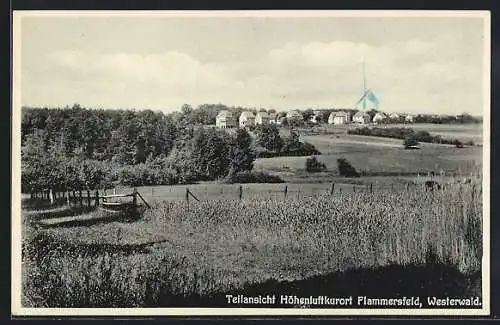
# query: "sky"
[[412, 64]]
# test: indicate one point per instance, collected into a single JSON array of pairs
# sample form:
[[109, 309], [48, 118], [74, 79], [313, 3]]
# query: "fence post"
[[134, 198], [51, 196], [81, 197], [371, 188], [340, 189], [333, 188], [354, 188], [88, 197], [97, 198], [187, 197], [286, 190], [114, 190], [241, 191], [67, 198]]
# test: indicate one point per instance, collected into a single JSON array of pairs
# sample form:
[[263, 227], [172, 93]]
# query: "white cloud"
[[414, 75]]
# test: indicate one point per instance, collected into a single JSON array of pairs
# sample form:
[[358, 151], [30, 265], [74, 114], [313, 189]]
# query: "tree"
[[307, 114], [346, 169], [410, 141], [242, 155], [291, 143], [92, 174], [313, 165], [268, 136]]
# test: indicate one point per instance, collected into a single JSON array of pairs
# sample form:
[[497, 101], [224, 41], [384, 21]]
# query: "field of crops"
[[178, 255]]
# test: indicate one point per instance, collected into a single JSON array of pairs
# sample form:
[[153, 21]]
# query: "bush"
[[410, 141], [346, 169], [459, 144], [313, 165], [252, 177]]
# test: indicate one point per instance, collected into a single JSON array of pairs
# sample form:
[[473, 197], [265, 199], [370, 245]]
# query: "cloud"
[[412, 75]]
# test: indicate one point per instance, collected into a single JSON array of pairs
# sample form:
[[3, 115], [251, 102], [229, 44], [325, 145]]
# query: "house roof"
[[263, 114], [361, 114], [247, 114], [344, 114], [293, 113], [380, 115], [224, 113]]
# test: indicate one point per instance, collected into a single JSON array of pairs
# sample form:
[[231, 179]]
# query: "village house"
[[409, 118], [247, 119], [338, 118], [293, 115], [379, 117], [225, 120], [273, 118], [262, 118], [316, 119], [361, 118], [394, 116]]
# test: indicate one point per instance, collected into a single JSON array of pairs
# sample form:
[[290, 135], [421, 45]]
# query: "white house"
[[315, 118], [361, 118], [247, 119], [409, 118], [273, 118], [262, 118], [379, 117], [394, 116], [338, 118], [293, 115], [225, 120]]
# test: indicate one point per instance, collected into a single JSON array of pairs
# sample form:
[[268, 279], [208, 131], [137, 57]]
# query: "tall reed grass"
[[217, 246]]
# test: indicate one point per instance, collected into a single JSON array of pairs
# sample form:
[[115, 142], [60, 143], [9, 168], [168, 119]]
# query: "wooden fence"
[[82, 198], [95, 198]]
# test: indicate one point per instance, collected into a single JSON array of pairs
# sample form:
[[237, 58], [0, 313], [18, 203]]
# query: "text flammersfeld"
[[360, 301]]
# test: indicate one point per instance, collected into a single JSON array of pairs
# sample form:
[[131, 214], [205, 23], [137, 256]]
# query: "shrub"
[[459, 144], [346, 169], [410, 141], [252, 177], [313, 165]]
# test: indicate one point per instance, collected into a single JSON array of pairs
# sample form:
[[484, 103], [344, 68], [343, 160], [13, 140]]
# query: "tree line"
[[410, 136], [81, 148]]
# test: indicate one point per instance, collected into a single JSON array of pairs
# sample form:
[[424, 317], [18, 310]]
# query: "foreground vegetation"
[[178, 253]]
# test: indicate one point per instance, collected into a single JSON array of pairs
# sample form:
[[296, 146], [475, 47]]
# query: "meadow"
[[375, 156], [379, 228], [182, 256]]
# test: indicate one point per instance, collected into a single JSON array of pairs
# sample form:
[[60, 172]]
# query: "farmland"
[[378, 156], [349, 236], [177, 255]]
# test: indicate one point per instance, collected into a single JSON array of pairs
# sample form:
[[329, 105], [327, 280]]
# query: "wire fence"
[[220, 191]]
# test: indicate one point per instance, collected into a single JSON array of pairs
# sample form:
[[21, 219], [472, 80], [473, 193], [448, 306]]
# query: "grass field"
[[177, 255], [379, 156], [307, 242]]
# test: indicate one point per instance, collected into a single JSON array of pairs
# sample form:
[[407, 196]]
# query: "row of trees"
[[194, 154], [407, 133], [270, 143]]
